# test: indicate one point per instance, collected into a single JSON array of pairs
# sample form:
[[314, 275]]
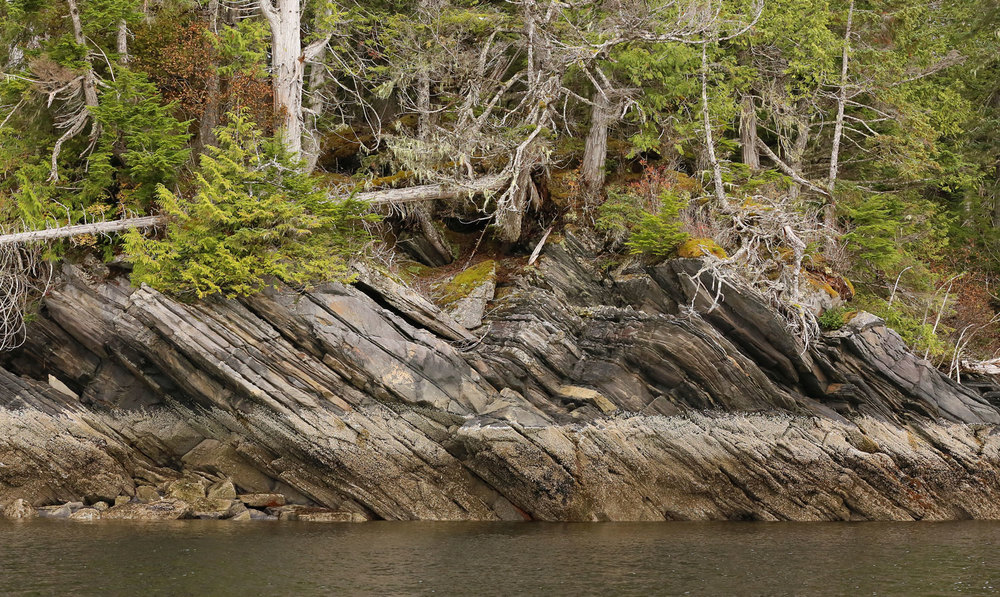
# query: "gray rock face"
[[591, 397]]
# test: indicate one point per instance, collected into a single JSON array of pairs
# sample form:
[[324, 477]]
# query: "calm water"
[[44, 557]]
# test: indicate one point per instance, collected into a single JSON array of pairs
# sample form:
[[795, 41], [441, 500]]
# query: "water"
[[55, 557]]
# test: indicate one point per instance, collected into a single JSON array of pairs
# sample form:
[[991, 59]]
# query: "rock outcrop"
[[586, 394]]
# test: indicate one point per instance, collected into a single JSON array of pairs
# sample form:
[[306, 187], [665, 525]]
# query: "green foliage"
[[914, 326], [833, 319], [654, 230], [659, 234], [255, 220], [243, 48], [141, 134], [890, 232]]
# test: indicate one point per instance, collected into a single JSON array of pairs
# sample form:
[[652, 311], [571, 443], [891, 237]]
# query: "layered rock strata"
[[587, 394]]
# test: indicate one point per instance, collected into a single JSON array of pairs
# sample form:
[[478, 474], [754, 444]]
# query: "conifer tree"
[[255, 220]]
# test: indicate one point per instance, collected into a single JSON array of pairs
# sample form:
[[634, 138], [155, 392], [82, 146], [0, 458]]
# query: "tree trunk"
[[830, 209], [748, 133], [89, 81], [720, 192], [89, 86], [595, 152], [311, 141], [77, 230], [431, 192], [210, 116], [798, 152], [838, 127], [122, 42], [424, 104], [287, 71]]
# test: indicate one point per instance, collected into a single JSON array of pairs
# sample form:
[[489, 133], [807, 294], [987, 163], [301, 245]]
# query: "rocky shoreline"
[[583, 392], [186, 498]]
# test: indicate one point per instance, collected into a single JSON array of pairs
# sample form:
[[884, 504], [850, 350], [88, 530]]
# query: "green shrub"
[[833, 319], [918, 333], [656, 231], [254, 220]]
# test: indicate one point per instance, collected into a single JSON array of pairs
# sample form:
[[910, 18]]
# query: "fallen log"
[[78, 229], [415, 194], [431, 192]]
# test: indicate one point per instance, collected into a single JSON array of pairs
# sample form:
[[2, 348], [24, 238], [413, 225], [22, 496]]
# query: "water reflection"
[[44, 557]]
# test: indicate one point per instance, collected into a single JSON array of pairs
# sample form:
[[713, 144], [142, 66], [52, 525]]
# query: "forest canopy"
[[848, 145]]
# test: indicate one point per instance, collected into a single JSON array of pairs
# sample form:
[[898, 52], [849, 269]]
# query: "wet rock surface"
[[587, 394]]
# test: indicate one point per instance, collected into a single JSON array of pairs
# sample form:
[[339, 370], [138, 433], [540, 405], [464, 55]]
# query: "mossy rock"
[[700, 247], [467, 281], [821, 284]]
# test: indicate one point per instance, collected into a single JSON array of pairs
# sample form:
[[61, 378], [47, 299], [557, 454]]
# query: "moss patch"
[[700, 247], [821, 284], [465, 282]]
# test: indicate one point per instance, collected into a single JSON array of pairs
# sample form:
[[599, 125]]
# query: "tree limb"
[[789, 171]]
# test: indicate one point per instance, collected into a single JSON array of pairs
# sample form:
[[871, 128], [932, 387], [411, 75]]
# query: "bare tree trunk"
[[432, 192], [423, 104], [798, 152], [288, 59], [748, 133], [210, 115], [838, 127], [311, 141], [89, 86], [720, 192], [830, 209], [595, 151], [77, 230], [791, 172], [122, 45], [287, 70]]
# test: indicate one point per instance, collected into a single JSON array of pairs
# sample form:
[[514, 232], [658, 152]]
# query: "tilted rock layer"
[[585, 395]]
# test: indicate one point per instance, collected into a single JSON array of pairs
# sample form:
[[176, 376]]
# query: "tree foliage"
[[253, 221]]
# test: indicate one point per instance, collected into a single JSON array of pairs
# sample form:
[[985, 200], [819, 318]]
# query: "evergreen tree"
[[255, 220]]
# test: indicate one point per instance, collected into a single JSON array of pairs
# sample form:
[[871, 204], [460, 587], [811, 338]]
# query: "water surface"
[[56, 557]]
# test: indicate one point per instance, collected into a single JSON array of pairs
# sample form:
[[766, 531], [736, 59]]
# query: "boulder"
[[165, 509], [312, 514], [466, 295], [212, 508], [262, 500], [19, 508], [100, 506], [146, 493], [187, 489], [222, 490], [86, 514], [63, 511]]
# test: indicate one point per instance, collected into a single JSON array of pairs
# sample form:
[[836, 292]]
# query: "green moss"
[[700, 247], [465, 282], [834, 319]]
